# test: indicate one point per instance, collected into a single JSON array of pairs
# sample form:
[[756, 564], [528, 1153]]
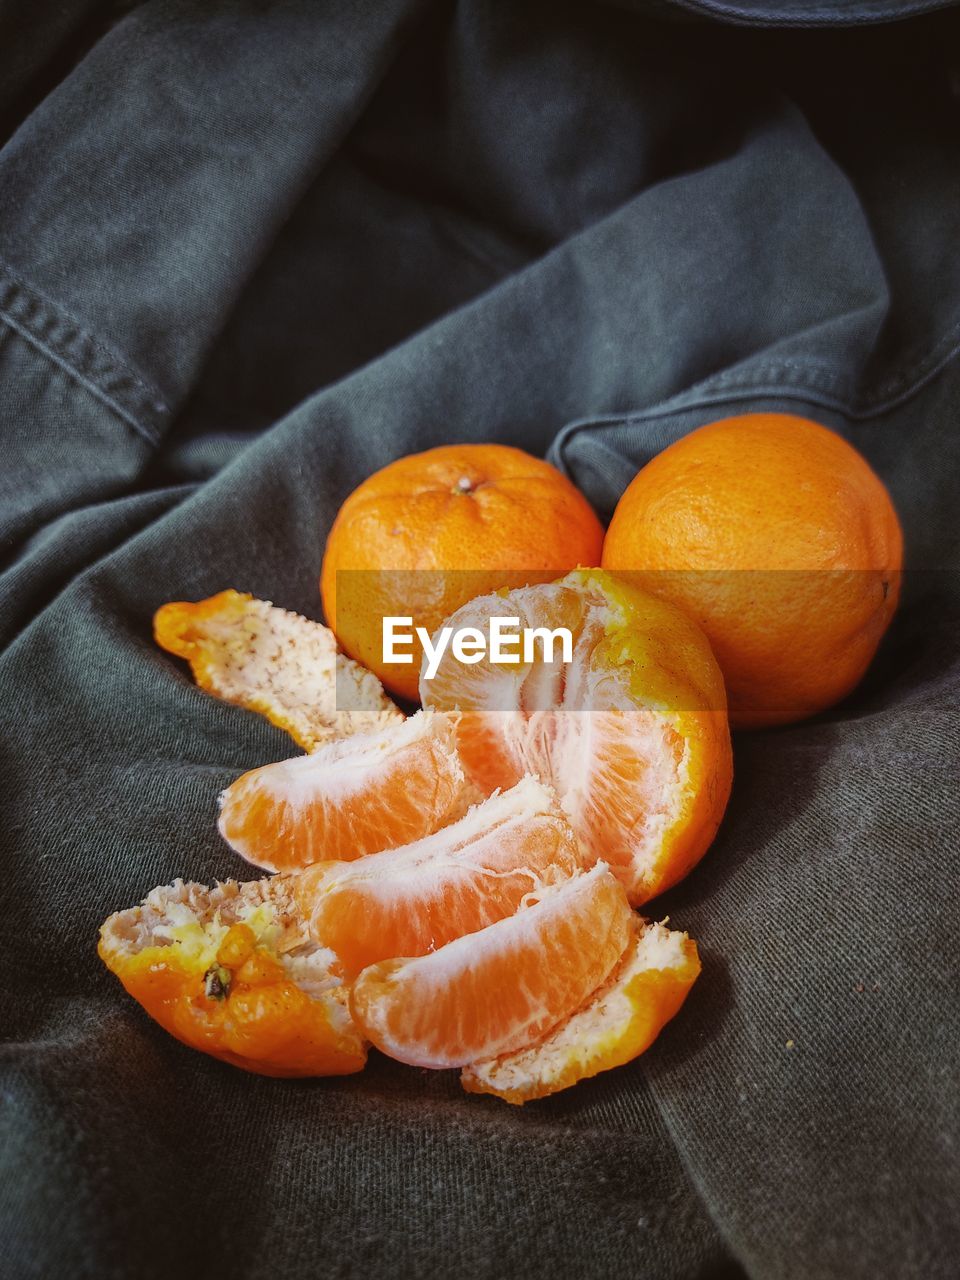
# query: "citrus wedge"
[[411, 900], [357, 796], [231, 971], [632, 733], [490, 992], [250, 653], [617, 1024]]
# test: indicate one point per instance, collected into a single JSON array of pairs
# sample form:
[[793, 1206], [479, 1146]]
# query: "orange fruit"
[[411, 900], [503, 987], [632, 734], [232, 972], [779, 539], [353, 797], [430, 531], [250, 653], [618, 1023]]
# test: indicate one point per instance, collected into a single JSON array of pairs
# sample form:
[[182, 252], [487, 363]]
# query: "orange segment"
[[408, 901], [231, 971], [632, 734], [275, 662], [494, 991], [620, 1021], [349, 798]]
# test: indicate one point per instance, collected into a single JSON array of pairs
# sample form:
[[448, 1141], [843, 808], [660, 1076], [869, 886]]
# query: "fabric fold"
[[192, 134]]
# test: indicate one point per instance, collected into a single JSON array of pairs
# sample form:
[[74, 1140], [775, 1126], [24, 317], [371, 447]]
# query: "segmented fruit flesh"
[[346, 799], [490, 992], [618, 1023], [632, 734], [417, 898]]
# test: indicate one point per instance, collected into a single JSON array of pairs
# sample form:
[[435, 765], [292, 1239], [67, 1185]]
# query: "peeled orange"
[[619, 1022], [496, 990], [454, 887], [411, 900], [632, 734], [352, 797]]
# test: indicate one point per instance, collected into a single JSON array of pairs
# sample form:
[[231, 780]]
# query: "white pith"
[[271, 659], [490, 839], [194, 919]]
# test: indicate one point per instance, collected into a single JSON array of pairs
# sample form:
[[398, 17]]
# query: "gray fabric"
[[250, 253]]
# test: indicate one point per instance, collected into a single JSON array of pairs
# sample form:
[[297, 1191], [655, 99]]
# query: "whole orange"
[[782, 542], [432, 530]]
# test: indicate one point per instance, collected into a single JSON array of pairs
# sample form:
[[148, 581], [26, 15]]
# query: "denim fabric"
[[250, 252]]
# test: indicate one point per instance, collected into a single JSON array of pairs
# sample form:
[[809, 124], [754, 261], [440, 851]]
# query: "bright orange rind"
[[231, 971], [429, 531], [783, 544]]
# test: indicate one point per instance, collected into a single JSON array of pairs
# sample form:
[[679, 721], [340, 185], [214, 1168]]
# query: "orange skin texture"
[[435, 529], [672, 661], [265, 1024], [801, 511], [177, 628], [655, 656]]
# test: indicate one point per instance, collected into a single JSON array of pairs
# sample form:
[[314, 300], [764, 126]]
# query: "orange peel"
[[255, 655], [232, 971]]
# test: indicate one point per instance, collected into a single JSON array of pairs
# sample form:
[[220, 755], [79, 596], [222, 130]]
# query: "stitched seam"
[[752, 389], [141, 428], [807, 373], [814, 377], [15, 278], [62, 339], [918, 368]]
